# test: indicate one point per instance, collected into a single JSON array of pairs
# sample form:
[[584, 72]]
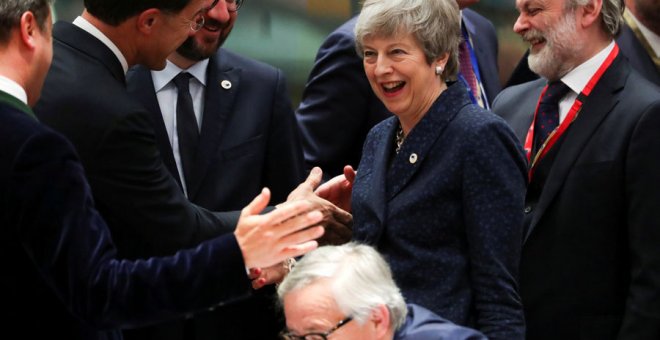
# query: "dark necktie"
[[547, 118], [186, 126], [467, 71]]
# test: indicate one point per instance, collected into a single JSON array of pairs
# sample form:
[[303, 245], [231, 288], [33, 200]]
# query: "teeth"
[[389, 86]]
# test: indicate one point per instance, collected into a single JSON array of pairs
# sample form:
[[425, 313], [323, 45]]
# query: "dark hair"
[[114, 12], [12, 10]]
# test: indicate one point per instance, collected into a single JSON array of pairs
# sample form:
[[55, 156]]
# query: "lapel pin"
[[413, 158], [226, 84]]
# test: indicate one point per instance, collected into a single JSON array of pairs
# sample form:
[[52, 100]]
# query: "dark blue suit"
[[446, 212], [590, 266], [249, 137], [249, 140], [339, 108], [60, 273], [422, 324]]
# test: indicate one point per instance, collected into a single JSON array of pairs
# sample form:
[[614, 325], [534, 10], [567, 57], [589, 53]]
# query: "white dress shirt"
[[167, 95], [578, 78], [11, 87]]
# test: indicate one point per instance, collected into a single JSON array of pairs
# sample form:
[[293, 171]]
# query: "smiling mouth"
[[212, 26], [536, 41], [393, 86]]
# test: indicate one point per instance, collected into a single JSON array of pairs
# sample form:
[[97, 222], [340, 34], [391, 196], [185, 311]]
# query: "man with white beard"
[[590, 267], [639, 41]]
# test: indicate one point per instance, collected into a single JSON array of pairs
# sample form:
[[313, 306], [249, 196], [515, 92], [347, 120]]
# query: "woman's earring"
[[439, 69]]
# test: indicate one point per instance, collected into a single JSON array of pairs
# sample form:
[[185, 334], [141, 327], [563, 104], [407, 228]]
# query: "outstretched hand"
[[286, 232], [338, 190], [338, 223]]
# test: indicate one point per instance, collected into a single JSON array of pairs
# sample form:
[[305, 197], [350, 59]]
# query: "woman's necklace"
[[399, 138]]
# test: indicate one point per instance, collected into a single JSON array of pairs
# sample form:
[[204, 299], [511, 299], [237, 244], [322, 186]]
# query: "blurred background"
[[287, 33]]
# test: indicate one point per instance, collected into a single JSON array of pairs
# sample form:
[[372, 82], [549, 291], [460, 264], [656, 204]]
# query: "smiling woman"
[[441, 183]]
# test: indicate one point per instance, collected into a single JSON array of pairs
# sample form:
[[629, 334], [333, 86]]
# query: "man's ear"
[[146, 20], [29, 28], [590, 13], [380, 316]]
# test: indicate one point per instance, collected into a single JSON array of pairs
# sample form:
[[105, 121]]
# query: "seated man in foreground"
[[349, 291]]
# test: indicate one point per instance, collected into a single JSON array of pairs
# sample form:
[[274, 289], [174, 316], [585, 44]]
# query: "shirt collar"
[[578, 77], [91, 29], [11, 87], [165, 76]]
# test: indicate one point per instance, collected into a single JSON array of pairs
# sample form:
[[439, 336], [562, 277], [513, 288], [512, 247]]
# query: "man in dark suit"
[[85, 98], [248, 140], [61, 275], [338, 107], [590, 265], [636, 41]]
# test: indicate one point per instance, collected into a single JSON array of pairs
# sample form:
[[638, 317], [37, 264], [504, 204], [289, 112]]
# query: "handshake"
[[269, 241]]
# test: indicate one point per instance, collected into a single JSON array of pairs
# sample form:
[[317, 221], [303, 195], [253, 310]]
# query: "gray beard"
[[551, 62]]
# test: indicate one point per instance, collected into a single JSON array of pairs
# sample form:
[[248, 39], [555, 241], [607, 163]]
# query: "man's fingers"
[[315, 177], [258, 204], [300, 249], [298, 222], [288, 211], [328, 187], [303, 236]]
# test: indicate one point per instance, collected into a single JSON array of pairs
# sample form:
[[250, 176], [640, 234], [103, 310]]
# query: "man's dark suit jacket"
[[590, 266], [422, 324], [60, 273], [85, 98], [249, 140], [446, 212], [630, 47], [249, 137], [339, 108]]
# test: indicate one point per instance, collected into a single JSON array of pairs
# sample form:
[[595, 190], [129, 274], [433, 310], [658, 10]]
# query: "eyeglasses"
[[197, 21], [315, 336], [233, 5]]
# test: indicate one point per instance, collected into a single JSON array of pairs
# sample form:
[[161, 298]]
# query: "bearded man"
[[590, 266], [246, 139]]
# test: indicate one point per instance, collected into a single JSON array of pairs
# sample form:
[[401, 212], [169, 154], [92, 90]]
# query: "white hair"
[[360, 278]]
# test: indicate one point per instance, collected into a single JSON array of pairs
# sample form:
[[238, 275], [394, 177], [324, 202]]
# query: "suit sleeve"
[[284, 165], [642, 312], [139, 197], [334, 113], [54, 219], [494, 181]]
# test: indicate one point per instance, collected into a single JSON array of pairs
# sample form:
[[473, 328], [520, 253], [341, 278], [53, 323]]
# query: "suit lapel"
[[142, 87], [527, 98], [596, 108], [421, 139], [376, 193], [222, 84]]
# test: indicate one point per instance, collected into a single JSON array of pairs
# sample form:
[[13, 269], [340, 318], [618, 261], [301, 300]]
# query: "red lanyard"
[[570, 117]]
